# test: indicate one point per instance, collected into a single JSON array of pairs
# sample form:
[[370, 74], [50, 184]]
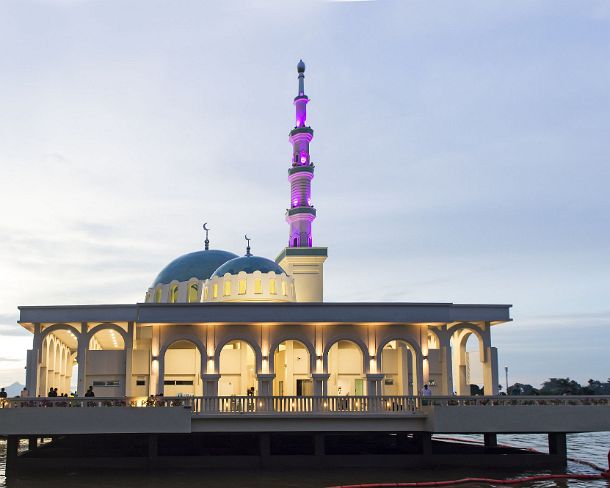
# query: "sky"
[[461, 148]]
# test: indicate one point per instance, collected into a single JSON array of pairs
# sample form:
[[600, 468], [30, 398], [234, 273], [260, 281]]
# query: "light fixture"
[[265, 358], [319, 358], [372, 358], [155, 358], [210, 358], [425, 358]]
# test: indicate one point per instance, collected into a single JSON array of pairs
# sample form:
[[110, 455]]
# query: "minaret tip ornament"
[[207, 241], [301, 66], [248, 246]]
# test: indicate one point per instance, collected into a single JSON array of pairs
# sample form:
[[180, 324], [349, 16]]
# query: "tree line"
[[562, 386]]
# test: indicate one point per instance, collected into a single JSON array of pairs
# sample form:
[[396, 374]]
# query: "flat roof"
[[269, 312]]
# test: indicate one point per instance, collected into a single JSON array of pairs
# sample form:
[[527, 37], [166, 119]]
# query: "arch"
[[60, 326], [416, 366], [258, 355], [192, 294], [182, 381], [107, 326], [173, 293], [308, 345], [475, 329], [238, 368], [344, 379], [359, 342], [458, 336], [408, 341], [184, 337], [293, 377]]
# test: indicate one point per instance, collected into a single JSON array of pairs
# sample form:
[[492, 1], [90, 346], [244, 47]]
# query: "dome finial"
[[301, 66], [248, 246], [207, 241]]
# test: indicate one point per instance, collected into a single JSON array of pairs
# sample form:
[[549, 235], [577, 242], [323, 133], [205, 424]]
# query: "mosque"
[[213, 323]]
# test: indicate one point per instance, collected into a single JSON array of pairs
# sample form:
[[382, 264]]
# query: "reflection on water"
[[590, 447]]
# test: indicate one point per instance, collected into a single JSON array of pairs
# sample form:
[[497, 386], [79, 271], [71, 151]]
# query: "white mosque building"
[[213, 323]]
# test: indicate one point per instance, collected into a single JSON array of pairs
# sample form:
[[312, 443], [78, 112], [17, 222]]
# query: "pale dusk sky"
[[462, 155]]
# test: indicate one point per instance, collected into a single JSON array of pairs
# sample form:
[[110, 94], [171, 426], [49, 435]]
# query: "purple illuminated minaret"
[[300, 259], [301, 213]]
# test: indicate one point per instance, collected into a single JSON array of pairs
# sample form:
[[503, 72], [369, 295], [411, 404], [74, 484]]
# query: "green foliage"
[[562, 386]]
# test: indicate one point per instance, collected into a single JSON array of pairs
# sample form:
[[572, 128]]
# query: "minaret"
[[301, 213], [300, 259]]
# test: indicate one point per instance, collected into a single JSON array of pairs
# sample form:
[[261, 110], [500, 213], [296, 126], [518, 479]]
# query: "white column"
[[126, 390], [83, 346], [33, 365]]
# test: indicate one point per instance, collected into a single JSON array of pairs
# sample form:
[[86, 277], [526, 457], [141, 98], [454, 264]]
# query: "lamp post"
[[506, 372]]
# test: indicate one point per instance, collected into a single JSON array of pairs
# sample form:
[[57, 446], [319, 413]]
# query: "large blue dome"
[[198, 264], [249, 264]]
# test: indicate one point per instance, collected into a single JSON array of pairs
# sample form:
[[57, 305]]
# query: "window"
[[177, 382], [294, 242], [215, 290], [205, 293], [173, 294], [283, 288], [258, 285], [193, 292], [140, 382], [227, 288], [272, 289], [99, 383], [158, 295], [242, 287]]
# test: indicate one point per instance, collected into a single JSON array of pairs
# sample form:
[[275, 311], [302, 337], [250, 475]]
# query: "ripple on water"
[[589, 447]]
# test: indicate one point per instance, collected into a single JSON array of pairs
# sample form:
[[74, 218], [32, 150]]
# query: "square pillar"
[[490, 439], [373, 384], [265, 384], [558, 446], [83, 346], [490, 372], [320, 384]]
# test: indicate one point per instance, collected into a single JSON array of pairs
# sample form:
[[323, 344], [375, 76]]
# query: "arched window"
[[173, 294], [242, 287], [295, 242], [193, 292], [284, 288], [158, 295], [205, 292], [215, 290], [272, 289], [227, 288], [258, 285]]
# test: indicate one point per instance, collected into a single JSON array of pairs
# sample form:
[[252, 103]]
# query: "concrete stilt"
[[12, 445], [319, 444], [32, 443], [153, 446], [264, 443], [490, 439], [425, 442], [558, 446]]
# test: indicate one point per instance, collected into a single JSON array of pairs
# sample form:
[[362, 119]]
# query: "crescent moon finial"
[[207, 241], [248, 246]]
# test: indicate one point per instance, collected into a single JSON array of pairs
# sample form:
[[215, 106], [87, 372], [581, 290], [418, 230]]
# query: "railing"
[[289, 405], [296, 405]]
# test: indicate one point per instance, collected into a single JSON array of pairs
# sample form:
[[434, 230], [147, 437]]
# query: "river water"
[[592, 447]]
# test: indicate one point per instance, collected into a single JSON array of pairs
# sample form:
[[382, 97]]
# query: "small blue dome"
[[198, 264], [248, 264]]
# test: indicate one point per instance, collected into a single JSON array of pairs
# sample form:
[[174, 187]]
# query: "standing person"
[[89, 392], [2, 393], [425, 392], [24, 393], [50, 393]]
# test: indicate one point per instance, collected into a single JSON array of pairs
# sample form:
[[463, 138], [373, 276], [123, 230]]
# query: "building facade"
[[217, 324]]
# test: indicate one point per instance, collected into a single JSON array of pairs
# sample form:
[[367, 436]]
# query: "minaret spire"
[[207, 241], [300, 258], [301, 213]]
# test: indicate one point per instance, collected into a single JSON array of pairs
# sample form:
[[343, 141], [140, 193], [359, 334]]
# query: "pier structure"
[[236, 358], [243, 431]]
